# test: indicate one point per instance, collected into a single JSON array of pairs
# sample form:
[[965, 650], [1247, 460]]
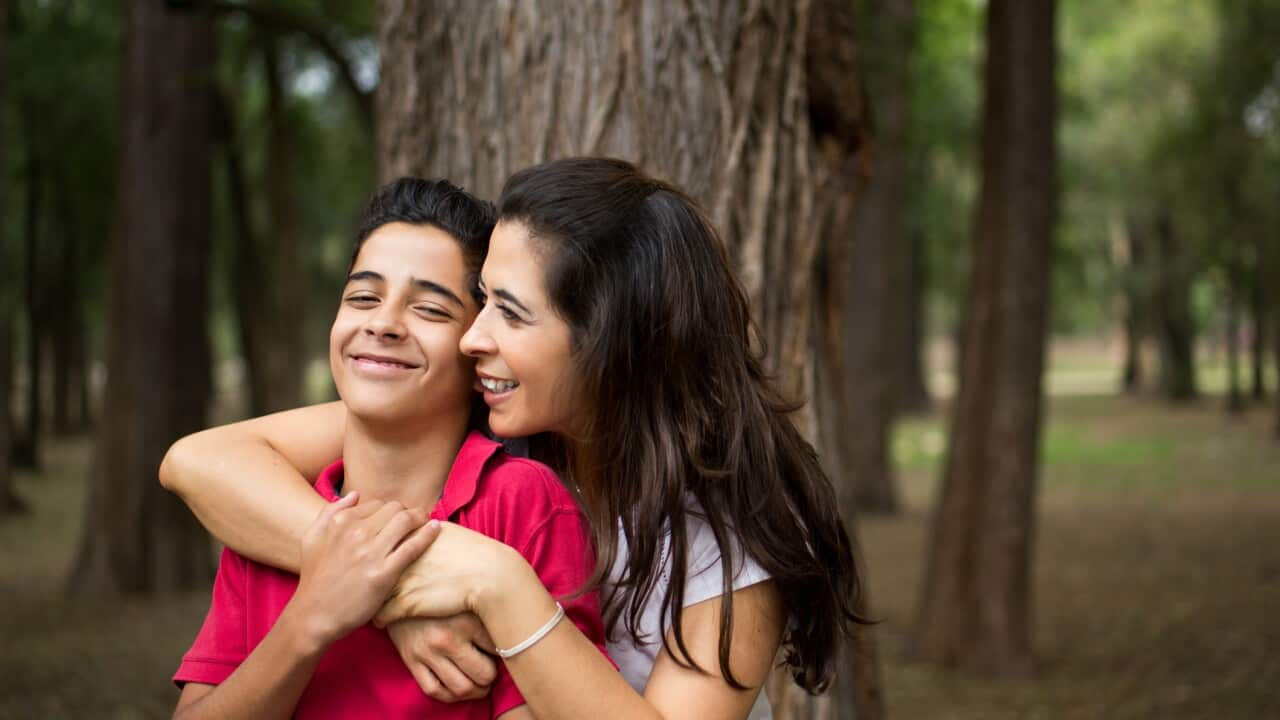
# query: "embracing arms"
[[564, 675], [247, 482], [351, 557]]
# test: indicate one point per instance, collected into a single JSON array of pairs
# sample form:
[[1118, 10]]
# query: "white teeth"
[[498, 386]]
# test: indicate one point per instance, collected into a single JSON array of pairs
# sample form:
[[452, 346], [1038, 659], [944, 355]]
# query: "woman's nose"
[[476, 341]]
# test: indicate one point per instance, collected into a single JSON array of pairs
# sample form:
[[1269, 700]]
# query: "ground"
[[1157, 579]]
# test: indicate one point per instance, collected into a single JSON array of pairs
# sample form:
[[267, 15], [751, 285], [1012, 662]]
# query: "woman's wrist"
[[511, 601], [506, 577]]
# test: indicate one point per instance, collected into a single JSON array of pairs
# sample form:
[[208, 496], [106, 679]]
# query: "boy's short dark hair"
[[440, 203]]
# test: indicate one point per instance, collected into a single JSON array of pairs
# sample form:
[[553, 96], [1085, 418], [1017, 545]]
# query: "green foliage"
[[942, 144], [1153, 98], [332, 168], [61, 112]]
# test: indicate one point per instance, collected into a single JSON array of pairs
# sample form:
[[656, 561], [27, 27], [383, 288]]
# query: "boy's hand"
[[447, 656], [352, 556]]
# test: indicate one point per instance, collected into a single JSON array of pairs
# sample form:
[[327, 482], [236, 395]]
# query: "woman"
[[615, 336]]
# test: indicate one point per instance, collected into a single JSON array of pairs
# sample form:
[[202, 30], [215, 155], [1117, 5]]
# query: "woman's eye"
[[361, 299], [507, 314]]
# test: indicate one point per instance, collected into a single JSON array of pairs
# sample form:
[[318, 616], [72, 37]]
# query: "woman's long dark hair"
[[678, 407]]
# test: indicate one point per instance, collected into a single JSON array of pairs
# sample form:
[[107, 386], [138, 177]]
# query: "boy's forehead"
[[400, 250]]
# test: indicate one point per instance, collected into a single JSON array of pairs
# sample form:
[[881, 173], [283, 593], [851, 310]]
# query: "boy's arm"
[[351, 556], [268, 683], [247, 482]]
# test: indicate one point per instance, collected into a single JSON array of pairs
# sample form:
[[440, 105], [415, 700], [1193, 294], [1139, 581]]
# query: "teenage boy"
[[279, 645]]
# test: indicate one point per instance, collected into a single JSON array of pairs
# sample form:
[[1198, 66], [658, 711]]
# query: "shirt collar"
[[459, 488], [464, 476]]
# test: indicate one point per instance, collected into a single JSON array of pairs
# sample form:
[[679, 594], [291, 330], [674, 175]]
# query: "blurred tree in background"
[[838, 145]]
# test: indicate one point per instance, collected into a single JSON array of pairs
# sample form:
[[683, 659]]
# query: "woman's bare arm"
[[563, 675], [248, 482]]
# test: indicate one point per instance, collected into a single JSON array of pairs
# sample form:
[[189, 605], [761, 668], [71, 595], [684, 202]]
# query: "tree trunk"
[[886, 34], [911, 395], [874, 276], [1231, 332], [976, 607], [711, 94], [64, 307], [1258, 322], [138, 538], [1135, 302], [9, 501], [1173, 312], [271, 338], [26, 452]]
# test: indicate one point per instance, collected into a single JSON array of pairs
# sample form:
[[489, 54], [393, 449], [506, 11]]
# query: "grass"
[[1156, 580], [1156, 575]]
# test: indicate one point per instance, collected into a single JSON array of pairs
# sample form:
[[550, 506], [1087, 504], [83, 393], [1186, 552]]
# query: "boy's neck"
[[410, 467]]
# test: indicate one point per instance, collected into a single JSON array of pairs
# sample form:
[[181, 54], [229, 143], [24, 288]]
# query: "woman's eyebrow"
[[512, 299]]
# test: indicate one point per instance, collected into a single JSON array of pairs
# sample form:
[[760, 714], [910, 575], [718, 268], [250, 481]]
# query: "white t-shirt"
[[703, 581]]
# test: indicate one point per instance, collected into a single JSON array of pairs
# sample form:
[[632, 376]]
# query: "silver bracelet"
[[536, 636]]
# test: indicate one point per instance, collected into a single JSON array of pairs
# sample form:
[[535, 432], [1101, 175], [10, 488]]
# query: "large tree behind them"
[[138, 538], [711, 94], [976, 604]]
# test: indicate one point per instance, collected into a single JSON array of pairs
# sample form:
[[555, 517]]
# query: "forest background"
[[1022, 256]]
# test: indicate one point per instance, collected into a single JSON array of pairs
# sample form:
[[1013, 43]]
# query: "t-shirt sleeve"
[[222, 643], [536, 516], [705, 578]]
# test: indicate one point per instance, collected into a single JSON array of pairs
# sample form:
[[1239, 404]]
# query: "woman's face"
[[393, 347], [521, 346]]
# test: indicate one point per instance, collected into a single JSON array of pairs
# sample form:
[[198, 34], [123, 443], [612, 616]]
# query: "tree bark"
[[9, 501], [1231, 332], [1135, 302], [874, 276], [976, 605], [272, 340], [65, 308], [886, 33], [1173, 312], [138, 538], [911, 395], [1258, 315], [26, 452], [711, 94]]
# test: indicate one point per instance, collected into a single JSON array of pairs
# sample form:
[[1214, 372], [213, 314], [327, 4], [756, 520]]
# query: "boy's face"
[[393, 347]]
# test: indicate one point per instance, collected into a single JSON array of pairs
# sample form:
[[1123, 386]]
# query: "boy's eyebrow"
[[419, 283], [365, 275], [439, 290]]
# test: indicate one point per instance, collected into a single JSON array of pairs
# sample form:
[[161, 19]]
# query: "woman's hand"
[[447, 656], [351, 557], [462, 570]]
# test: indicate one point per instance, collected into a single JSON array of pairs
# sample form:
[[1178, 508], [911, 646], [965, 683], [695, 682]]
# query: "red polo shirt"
[[515, 500]]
